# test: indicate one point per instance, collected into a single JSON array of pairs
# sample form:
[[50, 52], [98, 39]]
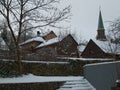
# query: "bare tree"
[[31, 14], [115, 31], [114, 36]]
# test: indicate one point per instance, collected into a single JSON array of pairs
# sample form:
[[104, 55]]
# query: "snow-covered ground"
[[72, 82], [88, 59], [30, 78], [40, 62], [47, 62]]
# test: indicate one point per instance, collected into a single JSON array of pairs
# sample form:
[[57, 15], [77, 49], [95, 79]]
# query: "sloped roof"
[[49, 32], [70, 35], [53, 41], [38, 39], [46, 42], [108, 47], [49, 42]]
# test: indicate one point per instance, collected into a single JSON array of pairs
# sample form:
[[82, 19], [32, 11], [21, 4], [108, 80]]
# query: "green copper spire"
[[100, 22], [101, 31]]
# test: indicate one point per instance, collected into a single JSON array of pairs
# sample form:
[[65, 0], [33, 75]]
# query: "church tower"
[[100, 31]]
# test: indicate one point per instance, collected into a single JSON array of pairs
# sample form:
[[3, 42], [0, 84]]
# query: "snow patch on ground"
[[34, 79], [40, 62], [88, 59]]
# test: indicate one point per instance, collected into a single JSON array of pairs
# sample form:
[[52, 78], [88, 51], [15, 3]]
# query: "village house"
[[29, 45], [92, 50], [50, 46], [67, 47]]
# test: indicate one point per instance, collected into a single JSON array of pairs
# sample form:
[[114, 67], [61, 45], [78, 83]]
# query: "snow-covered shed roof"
[[38, 39], [108, 47]]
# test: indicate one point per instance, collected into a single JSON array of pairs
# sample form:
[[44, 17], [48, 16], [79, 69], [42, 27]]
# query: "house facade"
[[92, 50], [67, 47]]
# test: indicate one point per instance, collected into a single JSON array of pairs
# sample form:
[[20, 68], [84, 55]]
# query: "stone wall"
[[72, 67], [46, 69]]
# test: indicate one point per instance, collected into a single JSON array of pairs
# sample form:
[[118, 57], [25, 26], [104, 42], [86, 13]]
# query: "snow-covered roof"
[[108, 47], [46, 33], [53, 41], [38, 39], [49, 42], [38, 62], [81, 47]]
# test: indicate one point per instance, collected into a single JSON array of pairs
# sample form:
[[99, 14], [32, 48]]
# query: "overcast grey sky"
[[86, 12]]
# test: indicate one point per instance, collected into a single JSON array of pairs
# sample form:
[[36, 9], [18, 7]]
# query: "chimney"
[[38, 33]]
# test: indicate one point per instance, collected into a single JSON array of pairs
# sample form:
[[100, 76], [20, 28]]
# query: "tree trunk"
[[18, 58]]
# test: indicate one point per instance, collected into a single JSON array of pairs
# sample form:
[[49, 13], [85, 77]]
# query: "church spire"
[[100, 22], [100, 31]]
